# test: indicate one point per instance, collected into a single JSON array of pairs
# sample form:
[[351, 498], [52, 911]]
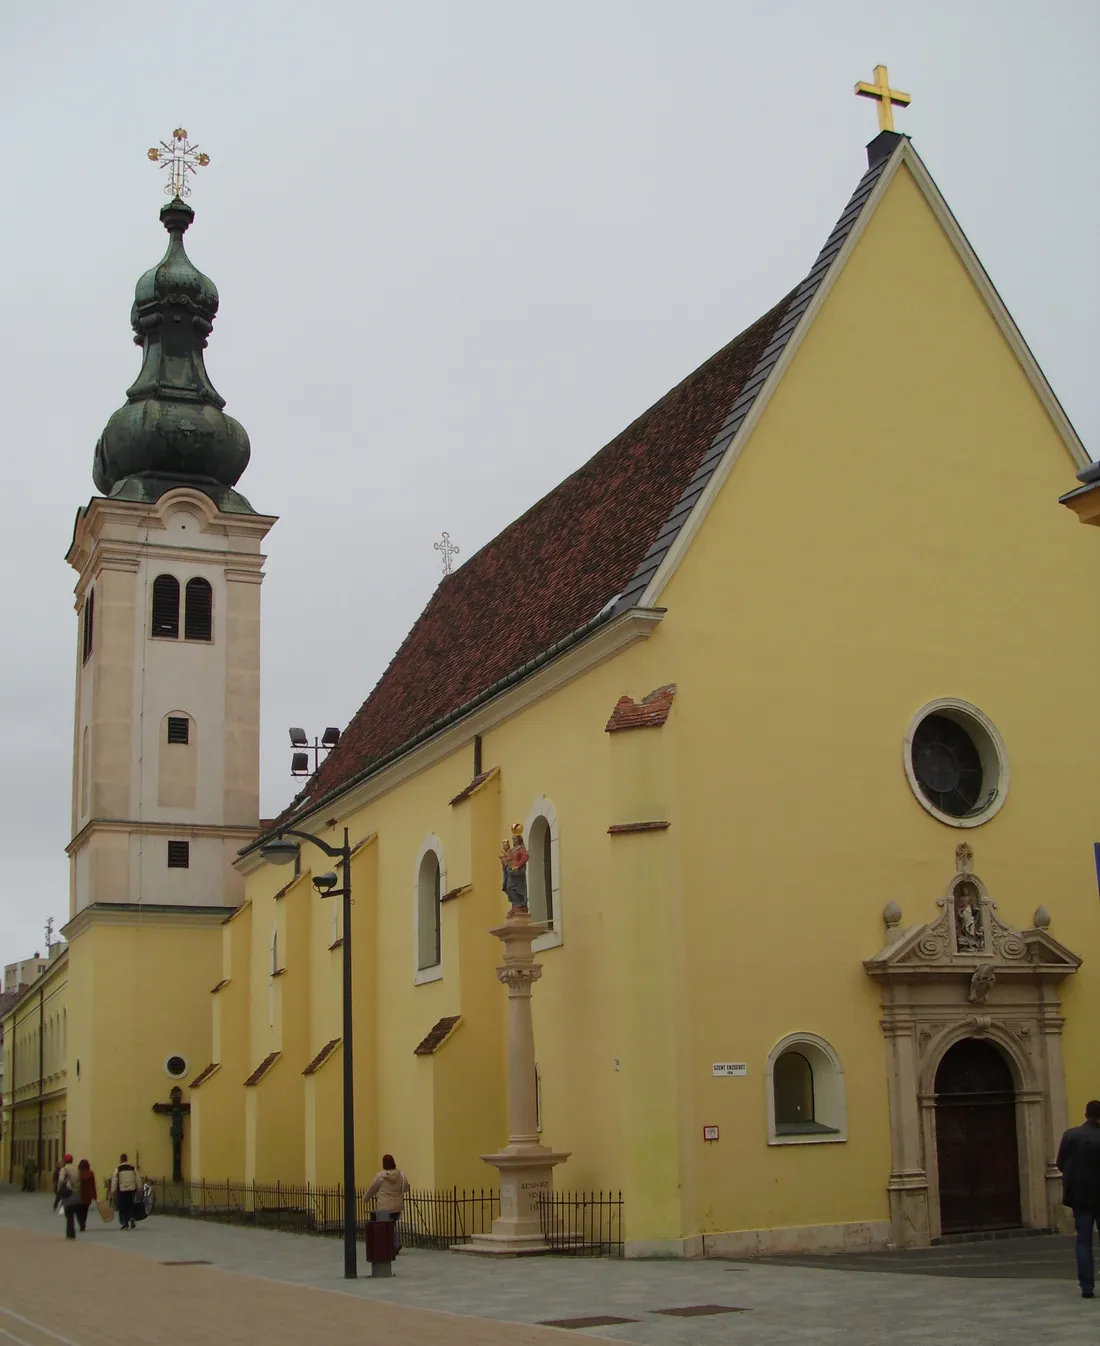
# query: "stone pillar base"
[[526, 1173]]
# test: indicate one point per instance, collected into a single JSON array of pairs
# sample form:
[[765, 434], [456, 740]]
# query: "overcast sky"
[[459, 246]]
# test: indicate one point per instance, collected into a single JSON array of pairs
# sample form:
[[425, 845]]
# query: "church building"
[[769, 684], [773, 686]]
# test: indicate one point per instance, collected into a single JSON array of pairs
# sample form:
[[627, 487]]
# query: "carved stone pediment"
[[968, 935]]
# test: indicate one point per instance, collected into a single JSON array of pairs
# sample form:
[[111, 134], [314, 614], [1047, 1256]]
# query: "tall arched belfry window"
[[89, 626], [166, 607], [198, 610]]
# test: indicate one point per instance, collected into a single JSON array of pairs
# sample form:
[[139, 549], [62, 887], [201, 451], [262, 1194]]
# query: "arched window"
[[198, 610], [89, 625], [544, 871], [84, 769], [166, 607], [429, 913], [805, 1091]]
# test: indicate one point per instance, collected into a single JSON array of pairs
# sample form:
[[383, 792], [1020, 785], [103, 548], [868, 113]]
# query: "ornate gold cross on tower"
[[888, 98], [180, 157]]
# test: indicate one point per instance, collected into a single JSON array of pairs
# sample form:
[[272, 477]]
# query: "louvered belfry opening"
[[198, 610], [179, 855], [166, 607], [178, 729], [89, 624]]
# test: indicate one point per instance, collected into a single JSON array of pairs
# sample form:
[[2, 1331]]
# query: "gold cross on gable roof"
[[180, 157], [888, 98]]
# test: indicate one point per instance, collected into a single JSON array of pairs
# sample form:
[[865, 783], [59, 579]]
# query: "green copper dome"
[[172, 430]]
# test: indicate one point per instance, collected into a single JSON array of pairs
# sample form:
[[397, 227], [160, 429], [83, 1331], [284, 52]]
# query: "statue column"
[[525, 1165]]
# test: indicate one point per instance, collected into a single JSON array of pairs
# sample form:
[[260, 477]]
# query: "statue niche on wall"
[[513, 865], [969, 934]]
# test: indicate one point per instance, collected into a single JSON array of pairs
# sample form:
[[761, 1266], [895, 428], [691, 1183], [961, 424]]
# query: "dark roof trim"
[[803, 297], [444, 721]]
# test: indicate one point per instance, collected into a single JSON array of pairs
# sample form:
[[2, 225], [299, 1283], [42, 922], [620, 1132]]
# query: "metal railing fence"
[[577, 1223]]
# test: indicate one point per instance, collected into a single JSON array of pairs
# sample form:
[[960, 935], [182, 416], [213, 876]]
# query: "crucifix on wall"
[[177, 1110]]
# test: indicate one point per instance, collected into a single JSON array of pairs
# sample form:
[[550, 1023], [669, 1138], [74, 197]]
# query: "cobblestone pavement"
[[47, 1281]]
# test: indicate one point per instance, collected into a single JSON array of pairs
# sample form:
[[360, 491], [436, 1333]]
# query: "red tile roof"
[[437, 1036], [549, 572], [649, 713], [322, 1056]]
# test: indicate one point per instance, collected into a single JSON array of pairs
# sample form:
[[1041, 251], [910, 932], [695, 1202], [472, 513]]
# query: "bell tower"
[[166, 752], [165, 786]]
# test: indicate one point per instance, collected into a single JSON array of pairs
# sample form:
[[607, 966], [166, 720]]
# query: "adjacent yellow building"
[[775, 685]]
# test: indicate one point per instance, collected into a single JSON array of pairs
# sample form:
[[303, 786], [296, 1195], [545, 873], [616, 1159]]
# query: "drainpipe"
[[11, 1091], [41, 1075]]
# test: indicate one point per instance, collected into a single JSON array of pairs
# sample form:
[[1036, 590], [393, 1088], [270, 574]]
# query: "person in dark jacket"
[[1079, 1160], [85, 1194]]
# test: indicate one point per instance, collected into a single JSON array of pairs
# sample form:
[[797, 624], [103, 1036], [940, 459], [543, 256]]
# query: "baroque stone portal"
[[967, 974]]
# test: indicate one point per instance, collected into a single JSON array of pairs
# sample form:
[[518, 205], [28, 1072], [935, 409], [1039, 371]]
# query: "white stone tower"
[[166, 751]]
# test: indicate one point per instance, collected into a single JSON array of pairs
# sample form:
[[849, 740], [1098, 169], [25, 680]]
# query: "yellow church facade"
[[807, 787]]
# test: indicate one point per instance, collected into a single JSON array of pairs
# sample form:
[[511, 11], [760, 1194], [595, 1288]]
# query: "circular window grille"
[[176, 1066], [956, 764]]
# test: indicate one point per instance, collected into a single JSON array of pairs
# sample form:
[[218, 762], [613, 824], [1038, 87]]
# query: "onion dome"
[[172, 430]]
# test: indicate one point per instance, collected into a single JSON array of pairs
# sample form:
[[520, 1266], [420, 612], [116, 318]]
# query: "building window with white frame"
[[544, 871], [429, 912], [805, 1092]]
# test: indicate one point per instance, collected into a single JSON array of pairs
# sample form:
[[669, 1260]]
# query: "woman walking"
[[86, 1194]]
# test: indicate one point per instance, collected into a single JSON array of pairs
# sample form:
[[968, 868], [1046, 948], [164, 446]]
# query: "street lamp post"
[[282, 852]]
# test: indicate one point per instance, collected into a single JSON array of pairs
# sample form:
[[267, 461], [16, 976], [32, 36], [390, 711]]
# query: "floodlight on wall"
[[299, 761]]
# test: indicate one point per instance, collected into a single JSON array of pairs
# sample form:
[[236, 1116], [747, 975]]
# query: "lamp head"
[[325, 883], [280, 851]]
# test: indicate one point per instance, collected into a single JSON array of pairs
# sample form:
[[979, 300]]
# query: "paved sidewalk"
[[782, 1305]]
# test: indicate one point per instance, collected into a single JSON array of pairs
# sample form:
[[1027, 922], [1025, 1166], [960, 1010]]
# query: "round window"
[[955, 762], [176, 1066]]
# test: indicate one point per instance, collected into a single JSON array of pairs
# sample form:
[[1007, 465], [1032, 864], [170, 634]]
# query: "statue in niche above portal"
[[513, 865], [969, 936]]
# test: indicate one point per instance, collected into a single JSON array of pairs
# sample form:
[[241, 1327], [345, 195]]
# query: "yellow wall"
[[890, 534], [142, 985]]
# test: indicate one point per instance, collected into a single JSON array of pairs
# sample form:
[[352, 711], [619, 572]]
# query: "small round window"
[[955, 762], [176, 1066]]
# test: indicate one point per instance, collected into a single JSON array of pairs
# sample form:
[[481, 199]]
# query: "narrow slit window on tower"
[[178, 729], [89, 623], [198, 610], [179, 855], [166, 607]]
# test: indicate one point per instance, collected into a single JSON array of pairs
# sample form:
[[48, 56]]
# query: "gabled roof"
[[608, 537], [548, 575]]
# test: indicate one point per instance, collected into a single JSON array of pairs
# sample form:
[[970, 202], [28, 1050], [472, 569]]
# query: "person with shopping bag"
[[124, 1187], [68, 1194]]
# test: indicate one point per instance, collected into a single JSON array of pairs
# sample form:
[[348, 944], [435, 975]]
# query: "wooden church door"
[[976, 1140]]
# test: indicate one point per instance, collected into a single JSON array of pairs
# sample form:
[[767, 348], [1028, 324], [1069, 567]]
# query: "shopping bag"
[[139, 1212], [106, 1211]]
